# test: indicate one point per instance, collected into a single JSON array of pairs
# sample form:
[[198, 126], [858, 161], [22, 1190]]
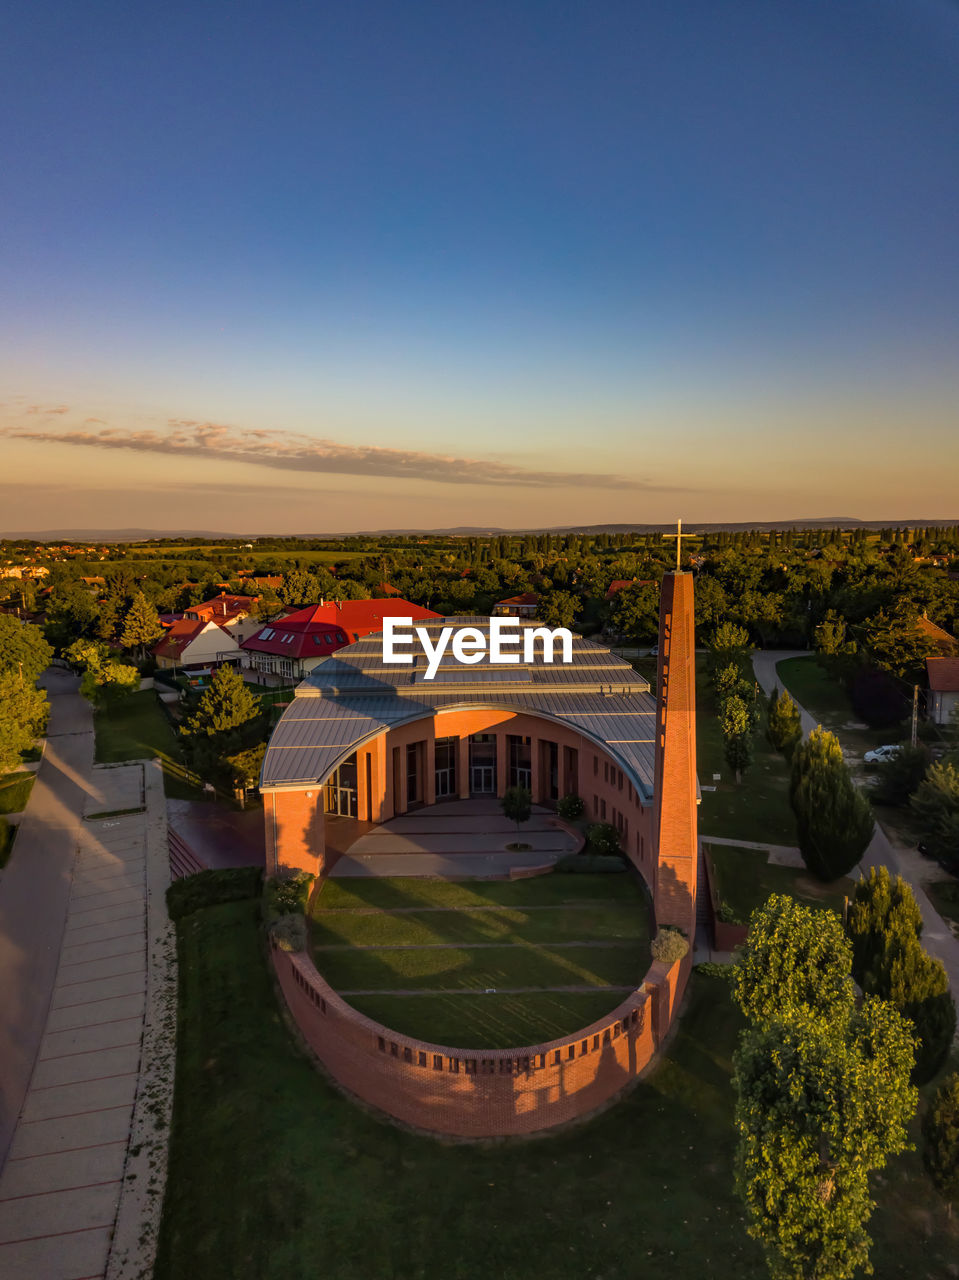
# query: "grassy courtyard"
[[274, 1175], [137, 729], [483, 964]]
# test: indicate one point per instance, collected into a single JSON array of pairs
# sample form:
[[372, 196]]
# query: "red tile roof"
[[321, 629], [619, 584], [222, 608], [943, 674], [945, 643], [529, 600], [180, 635]]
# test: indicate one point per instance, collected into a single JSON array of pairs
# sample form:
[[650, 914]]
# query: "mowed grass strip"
[[745, 879], [613, 921], [477, 1022], [511, 966], [400, 893]]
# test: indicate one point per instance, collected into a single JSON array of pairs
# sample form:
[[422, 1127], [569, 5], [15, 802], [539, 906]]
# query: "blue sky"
[[517, 263]]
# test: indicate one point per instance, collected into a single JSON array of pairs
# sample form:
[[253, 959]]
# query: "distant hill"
[[467, 531]]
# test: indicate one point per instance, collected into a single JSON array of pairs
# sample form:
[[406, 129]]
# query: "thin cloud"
[[288, 451], [47, 409]]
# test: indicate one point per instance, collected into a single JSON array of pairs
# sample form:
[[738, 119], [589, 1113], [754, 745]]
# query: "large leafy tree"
[[23, 650], [227, 722], [736, 727], [823, 1101], [793, 957], [23, 717], [634, 612], [936, 806], [833, 818], [558, 609]]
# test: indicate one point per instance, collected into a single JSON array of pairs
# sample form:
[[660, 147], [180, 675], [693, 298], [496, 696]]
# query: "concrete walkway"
[[458, 840], [73, 1005], [34, 890], [937, 937]]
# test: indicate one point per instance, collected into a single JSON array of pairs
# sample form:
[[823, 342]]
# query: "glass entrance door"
[[483, 780], [340, 795], [446, 767]]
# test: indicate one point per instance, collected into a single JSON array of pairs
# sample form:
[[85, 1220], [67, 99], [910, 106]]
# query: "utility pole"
[[915, 713]]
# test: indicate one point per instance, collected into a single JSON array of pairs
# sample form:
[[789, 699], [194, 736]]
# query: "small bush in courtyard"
[[669, 945], [570, 808], [287, 894], [602, 838], [289, 933]]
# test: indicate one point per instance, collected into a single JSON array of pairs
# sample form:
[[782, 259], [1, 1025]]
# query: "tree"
[[936, 806], [24, 712], [603, 838], [794, 957], [883, 918], [833, 818], [226, 706], [87, 655], [734, 723], [110, 682], [822, 1102], [729, 645], [141, 625], [893, 641], [517, 805], [885, 925], [634, 612], [940, 1133], [557, 609], [783, 722], [23, 650]]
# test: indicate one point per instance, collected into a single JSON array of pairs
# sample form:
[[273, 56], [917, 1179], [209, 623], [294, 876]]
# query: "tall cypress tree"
[[834, 820]]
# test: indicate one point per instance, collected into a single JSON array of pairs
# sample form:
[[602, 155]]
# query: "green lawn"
[[275, 1176], [137, 729], [827, 702], [15, 791], [745, 879], [457, 945], [757, 808]]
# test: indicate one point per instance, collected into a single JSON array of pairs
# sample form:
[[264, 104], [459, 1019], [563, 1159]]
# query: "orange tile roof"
[[943, 674], [945, 642]]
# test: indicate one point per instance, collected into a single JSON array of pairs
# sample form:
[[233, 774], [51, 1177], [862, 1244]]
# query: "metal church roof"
[[354, 695]]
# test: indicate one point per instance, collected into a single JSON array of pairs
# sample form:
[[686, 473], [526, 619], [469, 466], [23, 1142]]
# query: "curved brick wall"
[[477, 1093]]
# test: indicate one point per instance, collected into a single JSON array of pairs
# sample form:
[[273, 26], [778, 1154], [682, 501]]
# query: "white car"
[[881, 754]]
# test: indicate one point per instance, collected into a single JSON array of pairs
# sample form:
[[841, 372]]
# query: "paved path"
[[73, 1004], [462, 839], [35, 888], [937, 937]]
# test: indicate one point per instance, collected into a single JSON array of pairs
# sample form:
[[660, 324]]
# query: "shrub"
[[726, 914], [709, 969], [784, 726], [517, 803], [583, 862], [289, 932], [877, 697], [602, 838], [210, 888], [919, 988], [287, 894], [570, 808], [670, 945], [940, 1134], [936, 806], [833, 818], [884, 918], [898, 778]]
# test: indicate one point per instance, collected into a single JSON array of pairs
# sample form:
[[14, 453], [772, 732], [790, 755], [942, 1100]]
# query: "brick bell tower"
[[675, 753]]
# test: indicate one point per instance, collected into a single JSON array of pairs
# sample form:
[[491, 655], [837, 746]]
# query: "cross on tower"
[[678, 535]]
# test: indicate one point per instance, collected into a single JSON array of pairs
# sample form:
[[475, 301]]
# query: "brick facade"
[[480, 1093]]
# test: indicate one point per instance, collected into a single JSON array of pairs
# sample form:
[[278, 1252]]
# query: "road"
[[34, 890], [937, 937]]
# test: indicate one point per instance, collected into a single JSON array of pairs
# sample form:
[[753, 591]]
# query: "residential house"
[[943, 675], [291, 647], [522, 606], [197, 646]]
